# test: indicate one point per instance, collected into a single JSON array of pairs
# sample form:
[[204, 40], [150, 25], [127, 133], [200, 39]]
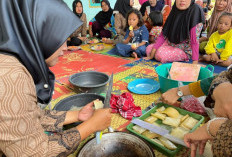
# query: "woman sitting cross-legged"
[[103, 23], [179, 38], [79, 35]]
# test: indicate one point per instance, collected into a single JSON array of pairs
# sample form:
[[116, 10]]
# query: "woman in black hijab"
[[103, 23], [179, 38], [32, 36], [79, 35]]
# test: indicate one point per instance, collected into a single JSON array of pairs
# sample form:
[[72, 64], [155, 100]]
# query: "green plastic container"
[[158, 147], [166, 84]]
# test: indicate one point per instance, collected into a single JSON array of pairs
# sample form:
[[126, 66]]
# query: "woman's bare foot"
[[134, 54]]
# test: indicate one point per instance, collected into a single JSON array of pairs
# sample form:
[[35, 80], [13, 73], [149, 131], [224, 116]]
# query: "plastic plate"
[[143, 86]]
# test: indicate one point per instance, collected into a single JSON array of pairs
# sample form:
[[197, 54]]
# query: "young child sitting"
[[156, 20], [136, 38], [219, 46]]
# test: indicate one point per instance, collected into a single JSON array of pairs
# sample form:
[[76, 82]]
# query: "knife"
[[108, 93], [106, 105], [158, 130]]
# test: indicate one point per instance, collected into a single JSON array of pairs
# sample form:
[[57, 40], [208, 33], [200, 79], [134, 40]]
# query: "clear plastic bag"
[[192, 104]]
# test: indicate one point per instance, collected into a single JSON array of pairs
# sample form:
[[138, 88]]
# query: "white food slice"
[[138, 129], [98, 104], [190, 122], [168, 144], [179, 132], [159, 115], [171, 121], [150, 119], [157, 141], [160, 109]]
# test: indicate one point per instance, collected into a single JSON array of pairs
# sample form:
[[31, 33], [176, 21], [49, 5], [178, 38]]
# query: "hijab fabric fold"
[[74, 8], [215, 16], [122, 6], [180, 22], [32, 30], [104, 17]]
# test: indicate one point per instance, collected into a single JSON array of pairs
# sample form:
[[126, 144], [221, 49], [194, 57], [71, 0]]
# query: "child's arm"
[[144, 36], [128, 36], [159, 41], [151, 38]]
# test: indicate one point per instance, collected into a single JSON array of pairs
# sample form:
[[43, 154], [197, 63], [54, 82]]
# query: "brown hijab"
[[215, 15]]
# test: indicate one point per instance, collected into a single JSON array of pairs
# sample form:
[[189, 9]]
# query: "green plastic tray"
[[158, 147]]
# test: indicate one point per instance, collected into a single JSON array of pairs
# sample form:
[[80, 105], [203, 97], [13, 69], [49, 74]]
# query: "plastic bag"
[[192, 104]]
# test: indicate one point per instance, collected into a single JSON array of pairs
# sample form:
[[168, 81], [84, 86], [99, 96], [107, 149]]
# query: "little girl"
[[156, 20], [219, 46], [136, 38]]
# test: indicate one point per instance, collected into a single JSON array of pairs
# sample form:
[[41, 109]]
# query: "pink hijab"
[[214, 17]]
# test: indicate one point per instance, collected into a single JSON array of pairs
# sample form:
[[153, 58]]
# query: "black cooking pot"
[[117, 144], [77, 100], [89, 82]]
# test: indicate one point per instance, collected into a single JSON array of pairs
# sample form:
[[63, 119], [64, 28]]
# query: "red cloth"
[[124, 104]]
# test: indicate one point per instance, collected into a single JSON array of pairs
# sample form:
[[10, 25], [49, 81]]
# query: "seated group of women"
[[161, 32]]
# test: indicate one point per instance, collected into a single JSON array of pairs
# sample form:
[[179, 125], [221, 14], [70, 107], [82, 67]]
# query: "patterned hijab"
[[32, 30], [104, 17], [215, 16], [74, 8], [180, 22]]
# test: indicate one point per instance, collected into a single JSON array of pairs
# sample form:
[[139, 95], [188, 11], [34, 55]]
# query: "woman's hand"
[[86, 112], [82, 38], [196, 139], [170, 97], [101, 119]]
